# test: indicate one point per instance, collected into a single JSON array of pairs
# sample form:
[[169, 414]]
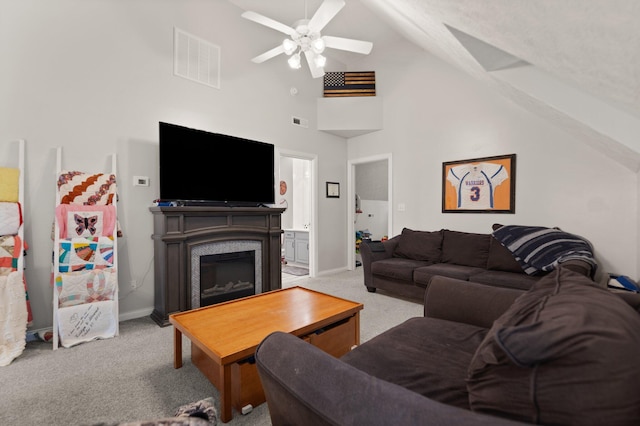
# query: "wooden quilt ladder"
[[85, 261]]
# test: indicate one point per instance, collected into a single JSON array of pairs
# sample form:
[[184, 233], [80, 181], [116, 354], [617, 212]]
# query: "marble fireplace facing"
[[224, 271]]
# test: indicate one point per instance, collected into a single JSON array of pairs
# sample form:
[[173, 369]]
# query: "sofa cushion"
[[465, 248], [396, 267], [423, 275], [505, 279], [419, 245], [501, 259], [566, 352], [426, 355]]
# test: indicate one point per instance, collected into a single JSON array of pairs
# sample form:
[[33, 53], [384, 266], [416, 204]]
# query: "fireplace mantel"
[[176, 230]]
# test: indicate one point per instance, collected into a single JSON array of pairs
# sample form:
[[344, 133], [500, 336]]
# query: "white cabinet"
[[289, 246], [296, 246]]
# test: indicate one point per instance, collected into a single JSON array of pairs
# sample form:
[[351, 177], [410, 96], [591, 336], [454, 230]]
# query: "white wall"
[[96, 77], [433, 114]]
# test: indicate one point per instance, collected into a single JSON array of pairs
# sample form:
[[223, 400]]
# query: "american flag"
[[338, 84]]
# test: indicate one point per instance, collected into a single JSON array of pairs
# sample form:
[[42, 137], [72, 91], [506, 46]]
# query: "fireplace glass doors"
[[226, 276]]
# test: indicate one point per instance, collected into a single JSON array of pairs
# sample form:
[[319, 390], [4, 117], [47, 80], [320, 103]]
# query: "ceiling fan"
[[305, 38]]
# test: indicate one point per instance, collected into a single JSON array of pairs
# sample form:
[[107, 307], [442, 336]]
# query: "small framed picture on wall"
[[479, 185], [333, 190]]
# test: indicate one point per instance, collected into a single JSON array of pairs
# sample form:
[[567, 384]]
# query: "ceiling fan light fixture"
[[303, 37], [320, 61], [289, 46], [294, 61], [318, 45]]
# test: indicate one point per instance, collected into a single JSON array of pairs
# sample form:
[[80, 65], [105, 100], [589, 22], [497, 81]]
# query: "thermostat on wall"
[[140, 181]]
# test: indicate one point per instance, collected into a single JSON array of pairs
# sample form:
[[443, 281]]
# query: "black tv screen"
[[198, 166]]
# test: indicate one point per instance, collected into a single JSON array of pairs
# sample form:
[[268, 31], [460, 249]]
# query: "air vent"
[[302, 122], [196, 59]]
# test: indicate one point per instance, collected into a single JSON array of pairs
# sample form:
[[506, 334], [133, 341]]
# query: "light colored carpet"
[[131, 377]]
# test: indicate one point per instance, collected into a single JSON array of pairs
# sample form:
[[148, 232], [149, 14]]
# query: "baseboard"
[[332, 271], [134, 314], [122, 317]]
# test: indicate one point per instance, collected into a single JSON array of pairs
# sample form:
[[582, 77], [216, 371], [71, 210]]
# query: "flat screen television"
[[199, 167]]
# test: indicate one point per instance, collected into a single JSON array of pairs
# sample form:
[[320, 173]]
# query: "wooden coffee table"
[[224, 337]]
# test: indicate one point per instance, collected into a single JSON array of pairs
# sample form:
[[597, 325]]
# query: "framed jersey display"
[[479, 185]]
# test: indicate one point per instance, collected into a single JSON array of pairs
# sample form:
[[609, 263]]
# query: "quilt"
[[10, 218], [9, 184], [81, 287], [13, 318], [83, 323], [86, 189], [85, 221], [78, 254], [10, 248]]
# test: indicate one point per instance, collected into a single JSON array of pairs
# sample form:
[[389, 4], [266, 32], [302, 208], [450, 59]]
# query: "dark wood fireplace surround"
[[176, 230]]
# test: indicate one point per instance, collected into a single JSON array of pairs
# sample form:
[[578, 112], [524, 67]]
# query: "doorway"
[[370, 203], [297, 195]]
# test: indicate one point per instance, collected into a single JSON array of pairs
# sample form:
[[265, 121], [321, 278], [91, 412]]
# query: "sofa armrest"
[[304, 385], [579, 266], [368, 257], [389, 247], [467, 302], [633, 299]]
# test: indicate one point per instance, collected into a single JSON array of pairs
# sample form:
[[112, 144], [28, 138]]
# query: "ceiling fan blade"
[[268, 55], [325, 13], [357, 46], [268, 22], [316, 71]]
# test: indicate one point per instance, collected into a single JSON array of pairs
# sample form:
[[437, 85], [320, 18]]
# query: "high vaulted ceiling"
[[574, 62]]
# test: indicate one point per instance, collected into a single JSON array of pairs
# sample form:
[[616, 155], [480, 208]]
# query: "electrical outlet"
[[133, 284]]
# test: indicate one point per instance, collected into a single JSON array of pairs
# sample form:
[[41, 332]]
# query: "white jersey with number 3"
[[475, 184]]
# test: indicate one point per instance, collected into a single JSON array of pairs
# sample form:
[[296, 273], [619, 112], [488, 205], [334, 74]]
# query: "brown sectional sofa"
[[561, 353], [405, 264]]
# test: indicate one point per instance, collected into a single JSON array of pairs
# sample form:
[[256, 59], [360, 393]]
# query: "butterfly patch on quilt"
[[78, 254], [84, 224], [90, 286], [85, 221]]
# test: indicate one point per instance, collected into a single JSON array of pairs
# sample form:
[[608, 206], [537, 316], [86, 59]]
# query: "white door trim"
[[313, 240]]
